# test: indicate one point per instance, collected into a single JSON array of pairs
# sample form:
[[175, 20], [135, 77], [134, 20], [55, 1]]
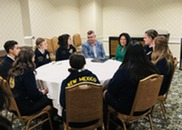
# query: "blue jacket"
[[121, 90], [5, 66], [88, 52], [41, 59], [166, 70], [74, 78], [63, 53], [28, 98]]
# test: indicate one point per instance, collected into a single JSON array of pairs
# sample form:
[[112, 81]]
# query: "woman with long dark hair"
[[123, 85], [65, 47], [22, 81], [124, 40]]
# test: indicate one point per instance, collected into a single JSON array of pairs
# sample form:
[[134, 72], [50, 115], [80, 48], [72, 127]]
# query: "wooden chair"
[[29, 118], [54, 42], [84, 104], [162, 98], [50, 49], [77, 42], [145, 99]]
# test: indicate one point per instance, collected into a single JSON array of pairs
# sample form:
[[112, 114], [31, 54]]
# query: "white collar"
[[11, 57]]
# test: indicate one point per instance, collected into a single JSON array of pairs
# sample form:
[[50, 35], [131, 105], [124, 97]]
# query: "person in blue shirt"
[[163, 59], [149, 37], [42, 55], [124, 39], [12, 50], [93, 48], [65, 47]]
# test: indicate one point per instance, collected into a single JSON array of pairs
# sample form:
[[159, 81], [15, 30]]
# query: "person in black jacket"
[[65, 47], [77, 74], [22, 80], [163, 60], [123, 85], [149, 40], [12, 50], [42, 55]]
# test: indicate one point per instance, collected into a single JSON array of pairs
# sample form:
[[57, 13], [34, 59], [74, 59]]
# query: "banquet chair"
[[162, 98], [145, 98], [84, 104], [77, 42], [55, 44], [27, 120], [50, 49]]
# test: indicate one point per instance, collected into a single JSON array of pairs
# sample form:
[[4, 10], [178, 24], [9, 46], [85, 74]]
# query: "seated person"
[[42, 55], [65, 47], [124, 39], [149, 39], [92, 48], [123, 85], [22, 80], [77, 72], [163, 59], [12, 50]]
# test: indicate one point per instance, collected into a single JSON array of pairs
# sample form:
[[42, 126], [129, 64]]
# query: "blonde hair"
[[161, 50]]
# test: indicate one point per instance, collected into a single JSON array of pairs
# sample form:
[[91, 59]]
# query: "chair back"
[[50, 47], [77, 40], [147, 93], [54, 42], [13, 106], [84, 103]]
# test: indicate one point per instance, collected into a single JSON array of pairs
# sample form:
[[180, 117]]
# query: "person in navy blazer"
[[65, 47], [93, 48], [12, 49], [163, 59], [42, 55], [149, 41]]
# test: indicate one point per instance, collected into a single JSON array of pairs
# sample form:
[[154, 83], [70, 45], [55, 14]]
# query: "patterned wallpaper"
[[50, 18], [54, 17], [10, 22]]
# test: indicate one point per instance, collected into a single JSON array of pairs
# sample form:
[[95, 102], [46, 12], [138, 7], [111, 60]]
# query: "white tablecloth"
[[54, 73]]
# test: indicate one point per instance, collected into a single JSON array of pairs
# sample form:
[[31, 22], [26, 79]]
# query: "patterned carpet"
[[173, 107]]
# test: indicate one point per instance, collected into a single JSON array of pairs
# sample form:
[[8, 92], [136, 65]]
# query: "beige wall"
[[48, 18], [10, 22]]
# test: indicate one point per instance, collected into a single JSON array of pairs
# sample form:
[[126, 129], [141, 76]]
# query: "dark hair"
[[23, 61], [90, 32], [39, 41], [127, 36], [138, 63], [63, 40], [77, 62], [152, 33], [9, 45]]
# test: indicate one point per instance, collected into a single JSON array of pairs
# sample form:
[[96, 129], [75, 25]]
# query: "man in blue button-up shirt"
[[93, 48]]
